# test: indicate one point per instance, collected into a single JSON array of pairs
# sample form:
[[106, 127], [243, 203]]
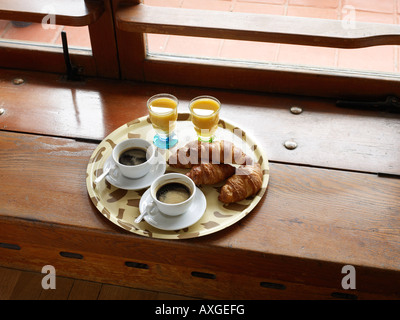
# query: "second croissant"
[[210, 173]]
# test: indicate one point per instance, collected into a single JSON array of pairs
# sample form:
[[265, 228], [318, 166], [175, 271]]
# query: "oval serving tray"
[[122, 206]]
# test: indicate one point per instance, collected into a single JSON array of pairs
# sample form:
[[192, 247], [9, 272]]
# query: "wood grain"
[[254, 27], [27, 287], [132, 50], [311, 222], [71, 289], [308, 215], [271, 78], [8, 280], [84, 290], [301, 278], [47, 59], [103, 43], [327, 136], [57, 173]]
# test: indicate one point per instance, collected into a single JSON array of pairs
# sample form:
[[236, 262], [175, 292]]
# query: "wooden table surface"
[[331, 202]]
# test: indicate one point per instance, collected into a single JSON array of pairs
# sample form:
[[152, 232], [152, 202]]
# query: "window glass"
[[382, 59], [38, 34]]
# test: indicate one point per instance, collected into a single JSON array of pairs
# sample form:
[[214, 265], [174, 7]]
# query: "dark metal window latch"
[[390, 104], [73, 72]]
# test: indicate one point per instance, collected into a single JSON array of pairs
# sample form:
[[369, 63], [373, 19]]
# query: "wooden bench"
[[332, 201]]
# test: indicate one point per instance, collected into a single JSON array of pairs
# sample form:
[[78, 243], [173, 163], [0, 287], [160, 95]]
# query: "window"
[[35, 34], [30, 36], [321, 48], [335, 42], [378, 59]]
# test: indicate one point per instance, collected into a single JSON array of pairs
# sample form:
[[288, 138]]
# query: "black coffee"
[[133, 156], [173, 192]]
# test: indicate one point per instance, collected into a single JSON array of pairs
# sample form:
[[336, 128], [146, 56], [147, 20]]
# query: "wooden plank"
[[66, 12], [282, 277], [84, 290], [61, 291], [62, 164], [270, 78], [303, 210], [47, 59], [327, 136], [254, 27], [74, 289], [28, 286], [8, 280], [110, 292]]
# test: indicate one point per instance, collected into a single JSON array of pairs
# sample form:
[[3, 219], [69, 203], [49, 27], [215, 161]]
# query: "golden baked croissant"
[[246, 182], [183, 159], [210, 173], [196, 152]]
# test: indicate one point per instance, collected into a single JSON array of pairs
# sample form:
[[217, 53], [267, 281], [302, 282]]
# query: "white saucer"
[[118, 180], [164, 222]]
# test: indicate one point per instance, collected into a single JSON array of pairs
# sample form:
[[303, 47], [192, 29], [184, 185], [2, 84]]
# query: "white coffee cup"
[[171, 209], [134, 171]]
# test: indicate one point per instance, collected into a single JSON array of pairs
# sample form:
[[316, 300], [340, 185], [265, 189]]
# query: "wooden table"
[[332, 201]]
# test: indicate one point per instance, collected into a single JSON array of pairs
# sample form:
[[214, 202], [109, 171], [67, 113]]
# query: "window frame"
[[274, 78], [100, 61], [121, 54]]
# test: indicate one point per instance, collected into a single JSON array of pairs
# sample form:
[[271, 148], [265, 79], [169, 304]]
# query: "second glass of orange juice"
[[163, 113], [204, 112]]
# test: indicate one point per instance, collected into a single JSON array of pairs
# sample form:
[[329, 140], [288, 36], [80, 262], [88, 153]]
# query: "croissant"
[[246, 182], [183, 159], [196, 152], [210, 173]]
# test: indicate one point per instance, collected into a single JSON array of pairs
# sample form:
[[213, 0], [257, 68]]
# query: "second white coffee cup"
[[171, 185]]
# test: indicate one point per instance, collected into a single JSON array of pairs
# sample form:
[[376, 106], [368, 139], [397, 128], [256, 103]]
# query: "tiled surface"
[[386, 6], [76, 36], [381, 58], [317, 3]]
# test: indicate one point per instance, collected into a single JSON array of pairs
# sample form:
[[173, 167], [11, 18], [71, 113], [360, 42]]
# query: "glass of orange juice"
[[204, 112], [163, 113]]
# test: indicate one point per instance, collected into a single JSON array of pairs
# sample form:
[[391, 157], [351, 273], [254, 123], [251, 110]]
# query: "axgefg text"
[[205, 309]]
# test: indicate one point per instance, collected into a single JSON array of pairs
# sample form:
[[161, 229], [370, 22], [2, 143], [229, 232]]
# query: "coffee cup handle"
[[150, 208]]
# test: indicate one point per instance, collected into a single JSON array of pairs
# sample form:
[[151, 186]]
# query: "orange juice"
[[163, 113], [205, 116]]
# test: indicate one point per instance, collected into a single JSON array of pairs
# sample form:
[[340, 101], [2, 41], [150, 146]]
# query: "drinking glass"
[[204, 112], [163, 113]]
